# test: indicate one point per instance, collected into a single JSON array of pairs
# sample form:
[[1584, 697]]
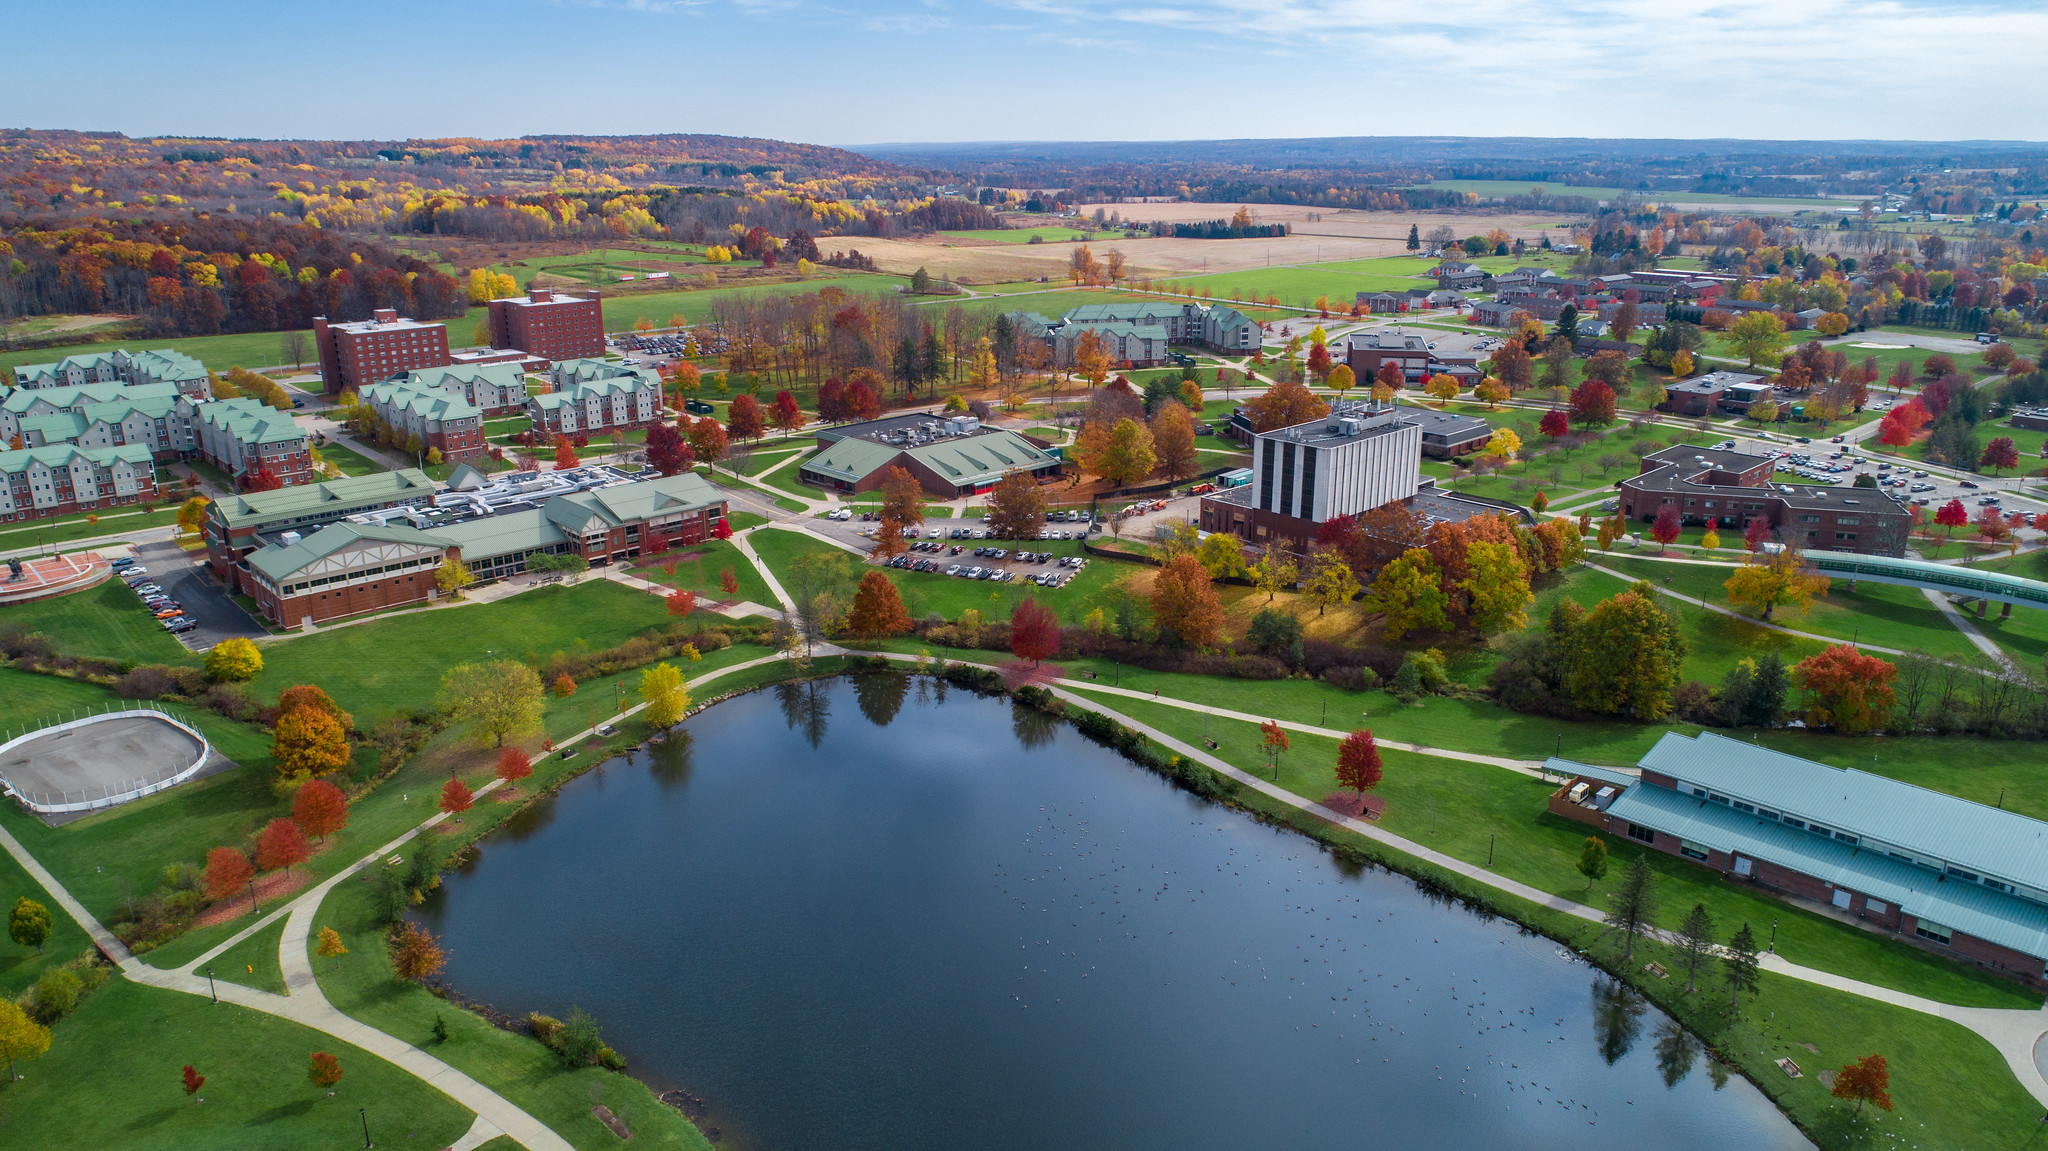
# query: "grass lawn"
[[621, 312], [111, 1080], [107, 620], [219, 353], [375, 669], [42, 533], [926, 592], [697, 569], [1300, 285], [254, 962], [351, 462], [22, 966]]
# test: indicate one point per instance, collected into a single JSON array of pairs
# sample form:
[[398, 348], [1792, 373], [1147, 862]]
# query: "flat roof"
[[253, 509], [402, 323]]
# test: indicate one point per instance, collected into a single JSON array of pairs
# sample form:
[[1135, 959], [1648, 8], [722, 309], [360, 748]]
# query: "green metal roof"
[[61, 455], [20, 400], [1926, 573], [968, 461], [339, 497], [279, 563]]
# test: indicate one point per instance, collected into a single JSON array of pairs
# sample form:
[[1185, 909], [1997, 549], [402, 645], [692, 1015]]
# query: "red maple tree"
[[227, 869], [728, 582], [514, 765], [320, 809], [1554, 424], [261, 480], [2000, 453], [743, 418], [565, 453], [456, 797], [1868, 1080], [193, 1080], [1358, 761], [1592, 403], [280, 845], [682, 601], [1034, 631], [1952, 515], [1666, 526], [722, 530], [1756, 533]]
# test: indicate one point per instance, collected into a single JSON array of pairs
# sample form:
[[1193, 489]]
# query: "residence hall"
[[496, 389], [1732, 488], [1444, 434], [951, 456], [238, 436], [550, 326], [1363, 455], [64, 478], [1215, 326], [358, 353], [135, 369], [594, 396], [384, 559], [1957, 877], [440, 419], [235, 525]]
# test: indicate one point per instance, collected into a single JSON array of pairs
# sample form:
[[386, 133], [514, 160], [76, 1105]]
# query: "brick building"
[[552, 327], [49, 481], [1716, 392], [592, 397], [1732, 488], [373, 562], [243, 435], [951, 456], [495, 389], [235, 525], [439, 418], [1956, 877], [135, 369], [358, 353]]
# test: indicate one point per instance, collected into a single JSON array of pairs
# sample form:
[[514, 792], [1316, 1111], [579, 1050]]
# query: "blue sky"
[[854, 72]]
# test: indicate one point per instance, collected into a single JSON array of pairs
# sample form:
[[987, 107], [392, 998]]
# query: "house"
[[373, 562], [1958, 878], [66, 478], [1380, 303], [1729, 489], [593, 396], [951, 456]]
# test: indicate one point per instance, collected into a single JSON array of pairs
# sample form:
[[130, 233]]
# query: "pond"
[[870, 913]]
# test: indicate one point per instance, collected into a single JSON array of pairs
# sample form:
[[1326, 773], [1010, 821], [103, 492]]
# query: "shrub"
[[150, 681], [1694, 702], [610, 1060], [56, 995], [544, 1027]]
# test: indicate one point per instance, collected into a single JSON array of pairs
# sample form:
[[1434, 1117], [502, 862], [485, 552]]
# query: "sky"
[[851, 72]]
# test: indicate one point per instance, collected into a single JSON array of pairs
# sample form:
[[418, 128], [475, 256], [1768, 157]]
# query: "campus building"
[[235, 525], [496, 389], [1732, 488], [1729, 393], [549, 326], [951, 456], [358, 353], [1137, 323], [383, 559], [1361, 456], [135, 369], [49, 481], [439, 418], [241, 436], [99, 414], [1128, 345], [1957, 877], [593, 396]]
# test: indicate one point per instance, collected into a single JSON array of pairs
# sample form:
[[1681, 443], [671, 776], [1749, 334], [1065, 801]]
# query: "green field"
[[106, 620], [350, 461], [1497, 188], [37, 534], [1051, 234], [697, 569], [1299, 286]]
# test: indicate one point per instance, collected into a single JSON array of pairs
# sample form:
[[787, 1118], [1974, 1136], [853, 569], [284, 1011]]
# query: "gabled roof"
[[19, 400], [504, 375], [279, 563], [61, 455], [339, 496], [250, 421]]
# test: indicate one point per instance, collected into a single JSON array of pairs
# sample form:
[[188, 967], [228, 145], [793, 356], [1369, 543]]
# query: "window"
[[1817, 829], [1935, 931], [1691, 850], [1845, 837], [1791, 822], [1716, 798], [1959, 873], [1748, 807], [1645, 834], [1876, 906]]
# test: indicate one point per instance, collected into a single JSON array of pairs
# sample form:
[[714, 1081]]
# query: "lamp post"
[[209, 986], [1773, 948], [364, 1112]]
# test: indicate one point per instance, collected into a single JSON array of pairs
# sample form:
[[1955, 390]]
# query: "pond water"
[[867, 913]]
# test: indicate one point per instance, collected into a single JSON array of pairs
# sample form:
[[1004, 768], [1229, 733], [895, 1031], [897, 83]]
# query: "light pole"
[[209, 986], [1774, 937], [364, 1112]]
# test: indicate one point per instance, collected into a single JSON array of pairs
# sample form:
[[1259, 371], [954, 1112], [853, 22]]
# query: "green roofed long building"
[[1953, 876], [950, 456], [161, 366], [388, 558], [235, 524]]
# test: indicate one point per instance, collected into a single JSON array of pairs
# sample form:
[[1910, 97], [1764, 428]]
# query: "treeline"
[[208, 274], [1218, 230]]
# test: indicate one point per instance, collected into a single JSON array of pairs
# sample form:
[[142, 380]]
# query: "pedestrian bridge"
[[1974, 583]]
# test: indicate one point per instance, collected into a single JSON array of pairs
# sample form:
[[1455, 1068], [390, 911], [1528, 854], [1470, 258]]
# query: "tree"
[[1442, 387], [193, 1080], [1592, 404], [1998, 455], [1711, 538], [1407, 595], [1557, 365], [1504, 444], [1273, 740], [1034, 631], [563, 687], [1016, 508], [708, 440], [681, 602], [1330, 580], [1184, 602], [514, 765], [1756, 533], [1273, 632], [1388, 380], [1739, 965], [722, 530], [1414, 237], [1952, 515], [1593, 859], [743, 419], [1757, 337], [1319, 361], [262, 479], [1288, 403], [192, 515], [785, 414], [1274, 573], [1127, 454], [20, 1036], [1091, 358], [578, 1043], [281, 844], [862, 401], [1681, 363], [1764, 411], [1341, 379], [1512, 365], [565, 453], [416, 954], [902, 509], [1358, 762], [456, 797], [1665, 528], [1498, 587], [1554, 424], [1771, 580], [1626, 656], [452, 576], [1868, 1080], [227, 870], [1845, 689], [666, 451], [877, 609], [330, 945], [1173, 441], [1222, 556], [667, 698], [1695, 943], [1492, 392], [727, 581], [1632, 906], [496, 699], [29, 923], [233, 661]]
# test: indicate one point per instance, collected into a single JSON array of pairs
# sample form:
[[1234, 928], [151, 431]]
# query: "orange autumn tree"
[[320, 809], [1358, 762], [1184, 602], [1273, 739], [415, 954], [227, 869], [1868, 1080], [1034, 631], [877, 609], [1846, 690], [514, 765], [456, 797], [281, 844]]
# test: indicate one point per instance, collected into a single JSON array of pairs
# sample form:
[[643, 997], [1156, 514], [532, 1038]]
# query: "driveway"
[[184, 577]]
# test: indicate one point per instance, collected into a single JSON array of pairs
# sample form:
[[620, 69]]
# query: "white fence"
[[93, 799]]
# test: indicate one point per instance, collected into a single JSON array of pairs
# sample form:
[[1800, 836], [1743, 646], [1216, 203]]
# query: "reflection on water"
[[945, 922]]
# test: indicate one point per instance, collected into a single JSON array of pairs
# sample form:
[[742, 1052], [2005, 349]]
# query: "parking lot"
[[182, 577], [963, 549]]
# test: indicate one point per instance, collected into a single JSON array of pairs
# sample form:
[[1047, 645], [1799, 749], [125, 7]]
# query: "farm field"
[[1021, 233], [1494, 188]]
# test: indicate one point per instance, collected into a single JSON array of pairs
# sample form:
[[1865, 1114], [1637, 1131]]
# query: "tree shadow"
[[284, 1111]]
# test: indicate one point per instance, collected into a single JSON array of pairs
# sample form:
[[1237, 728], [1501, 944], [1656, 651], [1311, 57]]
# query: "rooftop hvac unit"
[[287, 539]]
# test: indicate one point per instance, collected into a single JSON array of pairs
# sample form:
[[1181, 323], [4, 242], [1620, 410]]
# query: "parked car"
[[1966, 483]]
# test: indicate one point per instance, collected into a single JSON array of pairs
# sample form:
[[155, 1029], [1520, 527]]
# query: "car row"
[[169, 612]]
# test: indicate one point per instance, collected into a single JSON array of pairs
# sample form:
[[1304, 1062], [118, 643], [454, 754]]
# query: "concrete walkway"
[[1981, 641], [1731, 613], [739, 540]]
